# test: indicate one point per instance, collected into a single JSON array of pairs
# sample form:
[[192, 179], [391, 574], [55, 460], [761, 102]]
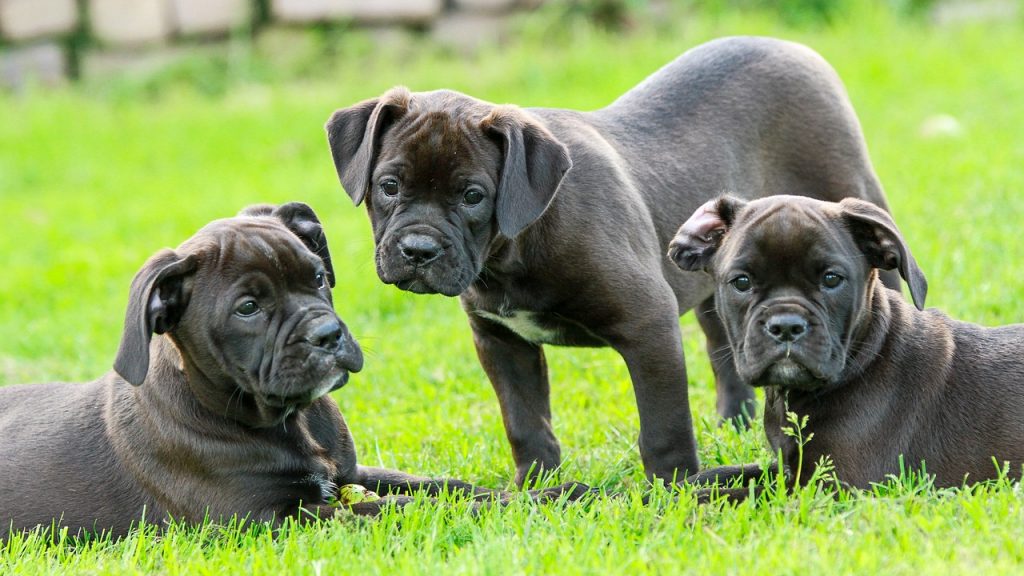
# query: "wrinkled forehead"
[[433, 132], [780, 233], [442, 137], [437, 133], [248, 243]]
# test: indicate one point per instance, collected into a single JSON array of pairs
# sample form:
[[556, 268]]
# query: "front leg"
[[733, 482], [385, 481], [720, 482], [397, 487], [518, 372], [321, 512], [722, 475], [651, 345], [394, 488]]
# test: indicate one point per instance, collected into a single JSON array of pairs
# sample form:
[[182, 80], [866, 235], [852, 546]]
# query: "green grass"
[[94, 180]]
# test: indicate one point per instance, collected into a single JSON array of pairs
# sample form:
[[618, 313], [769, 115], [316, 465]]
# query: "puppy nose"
[[786, 327], [326, 335], [419, 249]]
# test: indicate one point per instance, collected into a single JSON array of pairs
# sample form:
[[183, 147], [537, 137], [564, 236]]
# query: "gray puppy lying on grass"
[[217, 406], [882, 385]]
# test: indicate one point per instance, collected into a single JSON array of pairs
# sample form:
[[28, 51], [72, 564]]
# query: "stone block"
[[393, 38], [130, 22], [363, 11], [492, 6], [27, 19], [134, 62], [306, 10], [209, 16], [44, 64], [468, 31], [399, 11], [975, 11], [291, 48]]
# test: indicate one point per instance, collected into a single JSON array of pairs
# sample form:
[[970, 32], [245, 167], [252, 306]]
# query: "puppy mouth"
[[788, 373], [791, 370]]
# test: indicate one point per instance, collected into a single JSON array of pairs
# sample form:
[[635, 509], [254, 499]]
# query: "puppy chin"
[[296, 400], [790, 374], [424, 281], [417, 286], [785, 371], [339, 382]]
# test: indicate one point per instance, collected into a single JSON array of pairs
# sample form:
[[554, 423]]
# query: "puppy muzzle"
[[423, 261], [315, 357], [785, 346]]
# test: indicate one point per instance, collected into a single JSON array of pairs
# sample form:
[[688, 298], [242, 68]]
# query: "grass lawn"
[[93, 181]]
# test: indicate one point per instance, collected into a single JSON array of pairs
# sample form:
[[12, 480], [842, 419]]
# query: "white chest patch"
[[524, 324]]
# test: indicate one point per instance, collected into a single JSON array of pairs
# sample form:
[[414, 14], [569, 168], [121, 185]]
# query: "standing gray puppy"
[[462, 197]]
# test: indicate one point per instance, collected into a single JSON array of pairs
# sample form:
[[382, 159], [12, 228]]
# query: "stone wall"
[[48, 41]]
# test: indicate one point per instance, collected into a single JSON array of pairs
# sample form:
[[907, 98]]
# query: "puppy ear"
[[534, 164], [159, 294], [354, 135], [257, 210], [302, 220], [700, 236], [881, 242]]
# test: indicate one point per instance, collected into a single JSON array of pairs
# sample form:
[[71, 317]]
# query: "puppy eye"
[[321, 281], [389, 186], [473, 196], [741, 283], [831, 280], [247, 308]]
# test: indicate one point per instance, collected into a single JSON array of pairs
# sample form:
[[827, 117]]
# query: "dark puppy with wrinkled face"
[[224, 413], [462, 197], [807, 318]]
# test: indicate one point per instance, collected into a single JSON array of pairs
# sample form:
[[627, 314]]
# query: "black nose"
[[786, 327], [419, 249], [326, 335]]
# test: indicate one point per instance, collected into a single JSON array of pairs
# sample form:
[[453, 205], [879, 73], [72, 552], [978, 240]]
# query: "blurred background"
[[212, 44]]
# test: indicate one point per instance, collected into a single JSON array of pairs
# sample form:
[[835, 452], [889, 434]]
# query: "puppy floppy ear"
[[254, 210], [881, 242], [159, 294], [354, 135], [302, 220], [534, 164], [700, 236]]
